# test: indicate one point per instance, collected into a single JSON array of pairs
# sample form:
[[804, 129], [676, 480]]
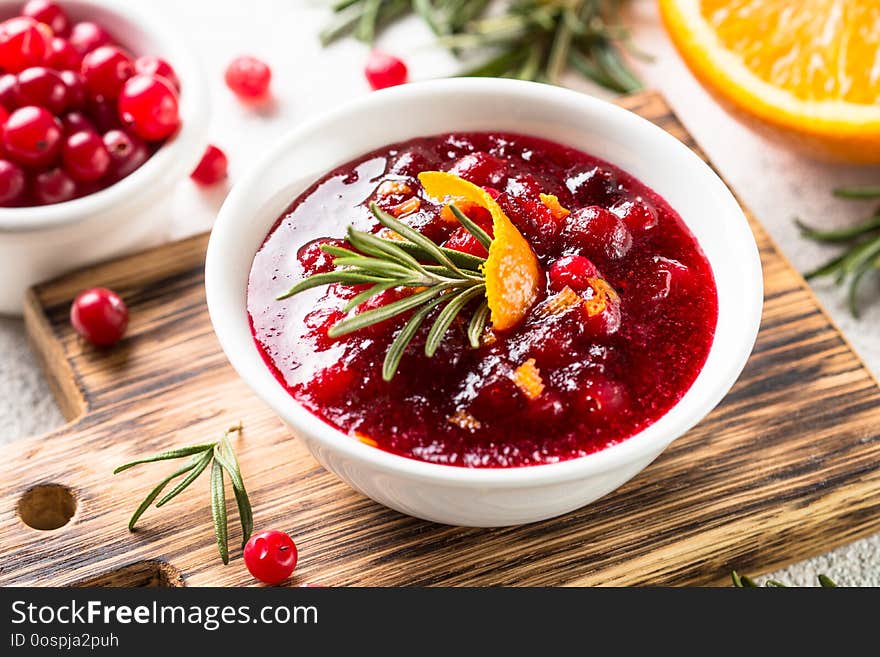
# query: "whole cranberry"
[[149, 106], [383, 70], [86, 36], [638, 214], [313, 259], [598, 231], [53, 186], [602, 397], [9, 91], [85, 156], [596, 185], [48, 13], [600, 315], [42, 87], [103, 113], [76, 89], [22, 44], [152, 65], [105, 69], [127, 153], [571, 271], [462, 240], [248, 77], [212, 168], [75, 122], [270, 556], [480, 168], [63, 56], [100, 316], [32, 136], [12, 183]]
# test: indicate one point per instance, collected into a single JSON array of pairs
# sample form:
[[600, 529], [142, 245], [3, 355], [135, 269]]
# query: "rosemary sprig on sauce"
[[862, 254], [221, 457], [745, 582], [525, 39], [451, 283]]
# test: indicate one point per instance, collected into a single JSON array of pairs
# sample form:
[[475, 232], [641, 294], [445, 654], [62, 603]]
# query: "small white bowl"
[[487, 497], [37, 243]]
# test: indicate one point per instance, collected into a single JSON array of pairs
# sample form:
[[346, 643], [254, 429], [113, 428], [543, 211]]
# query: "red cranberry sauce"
[[605, 377]]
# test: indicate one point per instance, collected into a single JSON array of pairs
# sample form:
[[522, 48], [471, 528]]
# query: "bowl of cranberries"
[[102, 111], [484, 302]]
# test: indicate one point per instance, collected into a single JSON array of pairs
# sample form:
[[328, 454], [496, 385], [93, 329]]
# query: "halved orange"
[[807, 69]]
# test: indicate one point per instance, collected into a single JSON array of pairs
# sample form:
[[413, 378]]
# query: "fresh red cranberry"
[[12, 183], [86, 36], [497, 397], [48, 13], [548, 409], [600, 320], [313, 259], [85, 156], [100, 316], [22, 44], [42, 87], [598, 231], [32, 136], [105, 69], [76, 122], [63, 56], [127, 153], [53, 186], [149, 105], [572, 271], [76, 89], [462, 240], [593, 186], [480, 168], [383, 70], [270, 556], [212, 168], [638, 215], [248, 77], [152, 65], [9, 91], [103, 113]]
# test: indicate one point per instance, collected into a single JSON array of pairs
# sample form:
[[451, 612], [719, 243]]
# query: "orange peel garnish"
[[559, 303], [603, 294], [513, 275], [557, 210], [389, 187], [527, 378], [408, 206], [467, 207]]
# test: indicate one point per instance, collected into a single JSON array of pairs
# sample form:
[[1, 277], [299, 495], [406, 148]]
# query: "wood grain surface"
[[785, 468]]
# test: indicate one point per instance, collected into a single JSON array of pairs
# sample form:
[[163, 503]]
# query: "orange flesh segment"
[[527, 378], [513, 275], [557, 210]]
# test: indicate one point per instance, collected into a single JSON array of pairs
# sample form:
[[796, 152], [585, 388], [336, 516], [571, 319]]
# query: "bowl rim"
[[179, 151], [648, 442]]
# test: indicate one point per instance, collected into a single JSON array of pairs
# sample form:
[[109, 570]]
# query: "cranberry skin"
[[480, 168], [32, 136], [12, 183], [86, 36], [105, 70], [53, 186], [49, 13], [85, 156], [42, 87], [22, 44], [127, 153], [76, 89], [149, 106], [593, 186], [313, 259], [152, 65], [9, 91], [104, 114], [100, 316], [248, 77], [572, 271], [212, 168], [383, 70], [602, 398], [63, 56], [270, 556], [598, 231], [76, 122], [638, 215], [462, 240]]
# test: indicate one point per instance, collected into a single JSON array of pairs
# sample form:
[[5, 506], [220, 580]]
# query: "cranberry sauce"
[[603, 377]]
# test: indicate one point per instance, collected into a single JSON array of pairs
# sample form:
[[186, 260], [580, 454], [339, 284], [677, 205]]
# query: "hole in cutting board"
[[47, 506], [143, 574]]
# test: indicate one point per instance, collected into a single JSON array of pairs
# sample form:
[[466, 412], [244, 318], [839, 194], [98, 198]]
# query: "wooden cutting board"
[[785, 468]]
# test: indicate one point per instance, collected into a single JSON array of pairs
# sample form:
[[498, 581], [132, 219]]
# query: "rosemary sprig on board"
[[862, 253], [453, 282], [525, 39], [221, 457], [745, 582]]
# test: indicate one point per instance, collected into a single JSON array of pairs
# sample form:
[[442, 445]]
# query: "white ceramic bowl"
[[488, 497], [37, 243]]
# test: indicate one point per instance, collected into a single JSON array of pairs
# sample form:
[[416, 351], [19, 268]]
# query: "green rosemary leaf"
[[477, 324], [342, 24], [379, 247], [373, 266], [866, 192], [826, 582], [366, 27], [338, 251], [425, 9], [447, 315], [496, 66], [471, 227], [610, 62], [589, 70], [463, 260], [230, 464], [164, 456], [201, 464], [316, 280], [153, 494], [840, 234], [853, 292], [860, 254], [774, 584], [558, 58], [403, 338], [218, 510], [368, 294], [382, 313], [742, 581], [826, 269], [531, 68]]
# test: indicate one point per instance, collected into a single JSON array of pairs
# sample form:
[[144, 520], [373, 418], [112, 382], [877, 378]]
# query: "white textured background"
[[776, 184]]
